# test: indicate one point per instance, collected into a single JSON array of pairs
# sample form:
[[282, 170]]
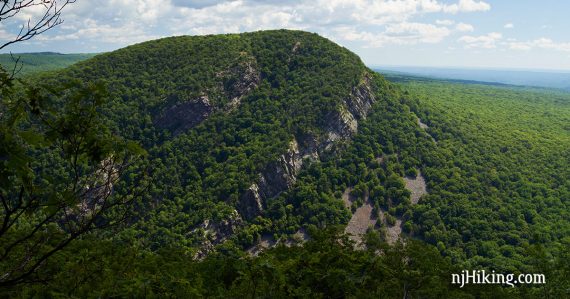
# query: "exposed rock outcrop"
[[100, 186], [296, 47], [417, 187], [216, 232], [239, 80], [422, 125], [185, 115], [343, 123], [425, 127], [281, 175], [251, 203], [277, 177], [235, 83], [267, 241], [93, 199], [361, 98], [362, 219]]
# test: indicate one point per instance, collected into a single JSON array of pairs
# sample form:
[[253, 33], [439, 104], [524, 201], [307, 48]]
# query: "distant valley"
[[535, 78]]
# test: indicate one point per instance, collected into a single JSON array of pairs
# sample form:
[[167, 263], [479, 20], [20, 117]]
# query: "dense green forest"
[[499, 174], [218, 116], [327, 266], [30, 63], [200, 174]]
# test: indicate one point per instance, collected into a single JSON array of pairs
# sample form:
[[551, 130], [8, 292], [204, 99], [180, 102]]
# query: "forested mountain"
[[228, 122], [264, 148]]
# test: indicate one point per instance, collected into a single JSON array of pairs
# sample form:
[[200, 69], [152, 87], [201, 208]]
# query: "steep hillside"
[[499, 177], [230, 122]]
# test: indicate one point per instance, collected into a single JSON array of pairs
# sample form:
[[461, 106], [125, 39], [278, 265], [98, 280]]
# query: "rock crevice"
[[343, 122]]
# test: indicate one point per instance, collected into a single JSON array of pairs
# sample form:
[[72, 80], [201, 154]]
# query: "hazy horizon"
[[373, 66]]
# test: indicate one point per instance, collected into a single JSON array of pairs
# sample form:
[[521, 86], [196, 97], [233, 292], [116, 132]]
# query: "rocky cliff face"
[[216, 232], [277, 177], [183, 116], [280, 175], [235, 83], [343, 123], [239, 80]]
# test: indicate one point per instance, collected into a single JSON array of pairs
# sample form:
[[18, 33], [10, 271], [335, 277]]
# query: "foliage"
[[327, 266], [58, 166], [498, 178], [495, 160], [200, 173]]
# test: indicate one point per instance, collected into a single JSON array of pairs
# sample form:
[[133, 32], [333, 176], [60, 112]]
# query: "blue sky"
[[509, 34]]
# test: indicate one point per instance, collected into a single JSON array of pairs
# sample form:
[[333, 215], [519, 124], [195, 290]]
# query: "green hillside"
[[255, 93], [286, 141], [30, 63], [499, 174]]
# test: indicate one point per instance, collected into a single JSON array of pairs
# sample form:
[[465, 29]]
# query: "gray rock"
[[235, 83], [239, 81], [343, 123], [183, 116], [251, 204], [214, 233], [277, 177]]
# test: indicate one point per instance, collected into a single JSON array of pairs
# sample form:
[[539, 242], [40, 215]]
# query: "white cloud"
[[6, 36], [541, 43], [462, 27], [509, 26], [93, 30], [444, 22], [488, 41], [417, 32], [382, 12], [121, 22], [31, 12], [399, 34], [467, 6], [522, 46]]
